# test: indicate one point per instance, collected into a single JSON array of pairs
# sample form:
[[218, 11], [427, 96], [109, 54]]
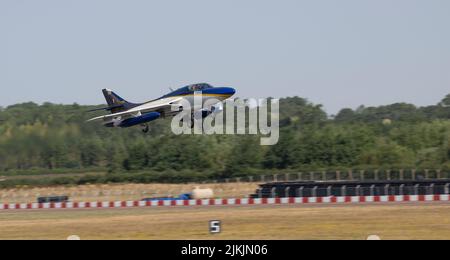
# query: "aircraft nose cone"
[[222, 91], [229, 91]]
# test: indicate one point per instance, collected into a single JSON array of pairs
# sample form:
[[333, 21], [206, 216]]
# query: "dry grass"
[[405, 221], [113, 192]]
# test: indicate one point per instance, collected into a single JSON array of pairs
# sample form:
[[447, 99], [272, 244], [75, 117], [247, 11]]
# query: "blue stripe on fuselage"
[[210, 91], [219, 91]]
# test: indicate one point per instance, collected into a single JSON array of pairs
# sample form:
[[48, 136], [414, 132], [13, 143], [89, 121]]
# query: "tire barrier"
[[349, 175], [353, 188]]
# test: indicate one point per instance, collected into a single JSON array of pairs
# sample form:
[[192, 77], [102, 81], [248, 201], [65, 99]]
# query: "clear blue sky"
[[339, 53]]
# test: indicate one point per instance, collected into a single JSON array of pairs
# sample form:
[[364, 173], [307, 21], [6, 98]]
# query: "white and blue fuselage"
[[126, 114]]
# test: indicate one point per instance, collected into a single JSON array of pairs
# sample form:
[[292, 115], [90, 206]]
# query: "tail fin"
[[115, 103]]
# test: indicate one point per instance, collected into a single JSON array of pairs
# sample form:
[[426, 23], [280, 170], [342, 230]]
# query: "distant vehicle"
[[186, 196], [53, 199], [127, 114]]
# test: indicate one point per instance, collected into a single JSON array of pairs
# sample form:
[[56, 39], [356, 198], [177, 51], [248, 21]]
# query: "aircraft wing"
[[156, 105]]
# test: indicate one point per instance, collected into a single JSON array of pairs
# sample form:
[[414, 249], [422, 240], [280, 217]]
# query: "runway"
[[424, 220]]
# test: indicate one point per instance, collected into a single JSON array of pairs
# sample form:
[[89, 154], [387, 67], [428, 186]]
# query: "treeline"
[[53, 138]]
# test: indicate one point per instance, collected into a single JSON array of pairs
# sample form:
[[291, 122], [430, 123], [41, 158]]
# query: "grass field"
[[395, 221], [114, 192]]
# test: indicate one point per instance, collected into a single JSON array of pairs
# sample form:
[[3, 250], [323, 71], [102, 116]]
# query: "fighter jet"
[[126, 114]]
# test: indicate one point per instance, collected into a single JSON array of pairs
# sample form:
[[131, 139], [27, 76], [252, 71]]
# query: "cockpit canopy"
[[199, 87], [189, 89]]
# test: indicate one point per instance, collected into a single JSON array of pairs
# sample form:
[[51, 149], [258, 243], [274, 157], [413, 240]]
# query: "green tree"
[[446, 101]]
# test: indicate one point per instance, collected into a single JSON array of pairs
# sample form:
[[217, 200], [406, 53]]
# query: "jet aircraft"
[[126, 114]]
